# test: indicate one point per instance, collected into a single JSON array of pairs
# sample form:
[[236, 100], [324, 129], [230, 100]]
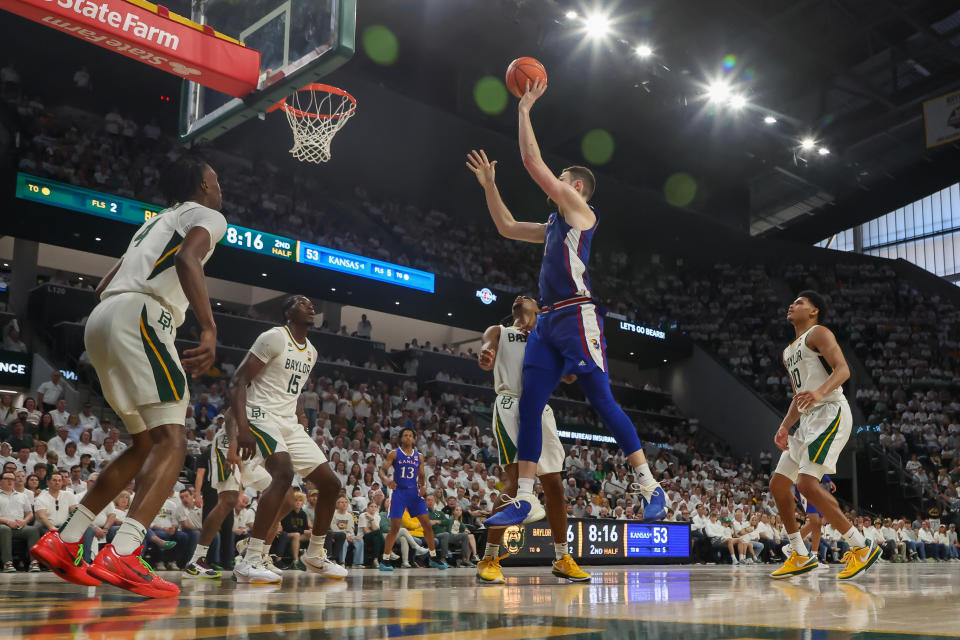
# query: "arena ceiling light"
[[823, 151], [770, 120], [737, 101], [597, 25], [571, 15], [807, 144], [643, 51], [718, 92]]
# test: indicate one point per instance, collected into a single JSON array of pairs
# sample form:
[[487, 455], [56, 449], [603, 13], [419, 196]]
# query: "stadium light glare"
[[597, 25], [737, 102], [823, 151], [807, 144], [718, 92], [571, 15], [770, 120], [644, 51]]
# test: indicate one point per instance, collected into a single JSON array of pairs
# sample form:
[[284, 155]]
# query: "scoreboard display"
[[68, 196], [594, 541]]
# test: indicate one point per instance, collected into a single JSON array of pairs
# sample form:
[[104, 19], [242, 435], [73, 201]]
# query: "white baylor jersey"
[[808, 369], [148, 264], [276, 388], [508, 367]]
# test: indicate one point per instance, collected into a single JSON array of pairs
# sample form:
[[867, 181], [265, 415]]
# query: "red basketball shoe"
[[64, 558], [131, 573]]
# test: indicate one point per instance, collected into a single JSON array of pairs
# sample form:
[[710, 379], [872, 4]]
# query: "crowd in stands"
[[907, 340]]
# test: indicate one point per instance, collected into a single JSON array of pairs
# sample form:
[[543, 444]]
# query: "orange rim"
[[282, 104]]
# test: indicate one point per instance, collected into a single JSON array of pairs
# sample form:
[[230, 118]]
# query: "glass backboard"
[[300, 41]]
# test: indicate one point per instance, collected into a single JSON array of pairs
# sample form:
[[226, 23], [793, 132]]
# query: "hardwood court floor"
[[689, 602]]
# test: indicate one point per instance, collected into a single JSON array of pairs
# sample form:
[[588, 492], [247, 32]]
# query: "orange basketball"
[[521, 71]]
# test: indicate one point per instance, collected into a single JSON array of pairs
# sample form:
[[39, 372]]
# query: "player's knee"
[[779, 483], [807, 484], [169, 438], [228, 500], [280, 468]]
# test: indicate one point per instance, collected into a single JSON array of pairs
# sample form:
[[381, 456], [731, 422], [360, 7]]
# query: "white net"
[[315, 114]]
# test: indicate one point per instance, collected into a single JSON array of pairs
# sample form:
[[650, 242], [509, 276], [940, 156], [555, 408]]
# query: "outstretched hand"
[[481, 167], [532, 94]]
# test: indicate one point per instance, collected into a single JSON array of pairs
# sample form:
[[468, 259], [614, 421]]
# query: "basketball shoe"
[[252, 570], [795, 565], [132, 573], [654, 502], [567, 568], [524, 508], [858, 560], [489, 571], [201, 569], [64, 558], [324, 566]]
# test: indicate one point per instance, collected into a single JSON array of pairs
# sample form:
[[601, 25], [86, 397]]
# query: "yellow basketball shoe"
[[858, 560], [489, 571], [795, 565], [566, 568]]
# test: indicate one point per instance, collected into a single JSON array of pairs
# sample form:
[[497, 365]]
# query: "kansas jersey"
[[808, 369], [566, 251], [288, 364], [508, 367], [148, 264], [406, 469]]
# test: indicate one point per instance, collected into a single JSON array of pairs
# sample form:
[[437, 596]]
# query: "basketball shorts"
[[569, 339], [407, 499], [814, 448], [129, 338], [506, 430], [274, 433], [225, 477]]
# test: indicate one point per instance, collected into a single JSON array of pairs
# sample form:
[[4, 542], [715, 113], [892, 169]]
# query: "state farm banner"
[[941, 119], [151, 34]]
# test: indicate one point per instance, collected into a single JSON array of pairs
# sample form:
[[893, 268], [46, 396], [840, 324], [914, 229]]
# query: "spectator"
[[16, 519], [166, 527], [296, 530], [364, 328], [50, 391], [99, 436], [88, 421], [369, 527], [81, 79], [442, 535], [54, 505], [29, 412], [11, 338], [190, 516], [344, 523], [18, 439]]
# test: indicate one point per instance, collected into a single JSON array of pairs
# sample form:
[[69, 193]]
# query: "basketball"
[[521, 71]]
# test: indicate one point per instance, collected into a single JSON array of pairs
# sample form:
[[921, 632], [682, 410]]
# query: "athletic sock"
[[854, 538], [129, 537], [315, 548], [796, 543], [199, 552], [493, 550], [525, 485], [644, 477], [254, 548], [433, 553], [76, 524], [560, 549]]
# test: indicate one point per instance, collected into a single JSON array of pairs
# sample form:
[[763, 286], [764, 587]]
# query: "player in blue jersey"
[[813, 520], [408, 486], [568, 337]]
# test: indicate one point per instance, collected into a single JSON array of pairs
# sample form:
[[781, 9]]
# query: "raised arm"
[[488, 350], [575, 210], [507, 225]]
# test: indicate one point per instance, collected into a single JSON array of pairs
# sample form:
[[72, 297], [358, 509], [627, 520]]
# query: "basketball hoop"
[[315, 113]]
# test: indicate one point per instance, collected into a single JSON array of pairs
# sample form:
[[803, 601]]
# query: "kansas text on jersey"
[[566, 252]]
